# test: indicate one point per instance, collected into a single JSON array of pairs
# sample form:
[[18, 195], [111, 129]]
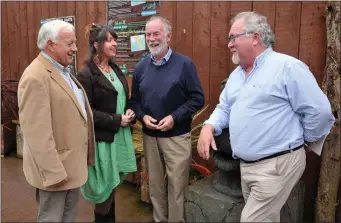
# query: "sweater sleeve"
[[195, 95], [135, 99]]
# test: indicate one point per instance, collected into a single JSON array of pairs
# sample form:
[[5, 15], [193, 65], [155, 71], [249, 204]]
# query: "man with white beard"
[[166, 92], [272, 106]]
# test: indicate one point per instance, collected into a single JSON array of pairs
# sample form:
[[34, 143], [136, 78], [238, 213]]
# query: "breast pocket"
[[259, 96]]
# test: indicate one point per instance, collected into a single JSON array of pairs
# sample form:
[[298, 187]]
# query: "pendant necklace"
[[107, 71], [111, 77]]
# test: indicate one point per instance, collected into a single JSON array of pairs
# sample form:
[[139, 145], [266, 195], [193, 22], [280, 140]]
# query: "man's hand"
[[206, 140], [149, 122], [166, 124], [125, 120], [131, 114], [60, 183]]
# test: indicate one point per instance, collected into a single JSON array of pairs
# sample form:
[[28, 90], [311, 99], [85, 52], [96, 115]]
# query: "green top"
[[113, 160]]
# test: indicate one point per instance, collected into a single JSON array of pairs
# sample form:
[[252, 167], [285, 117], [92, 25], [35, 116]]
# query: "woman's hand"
[[125, 121], [131, 114]]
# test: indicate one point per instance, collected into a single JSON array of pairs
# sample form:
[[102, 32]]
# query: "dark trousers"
[[105, 212]]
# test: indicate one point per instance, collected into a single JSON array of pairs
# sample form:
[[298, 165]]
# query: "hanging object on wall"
[[72, 21], [129, 18]]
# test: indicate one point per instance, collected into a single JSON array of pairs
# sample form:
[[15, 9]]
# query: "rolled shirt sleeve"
[[308, 100], [219, 119]]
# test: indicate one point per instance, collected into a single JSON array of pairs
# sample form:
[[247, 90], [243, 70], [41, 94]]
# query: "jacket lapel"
[[91, 131], [57, 77], [103, 81]]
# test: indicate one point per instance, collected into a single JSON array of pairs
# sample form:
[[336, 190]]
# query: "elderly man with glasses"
[[272, 106]]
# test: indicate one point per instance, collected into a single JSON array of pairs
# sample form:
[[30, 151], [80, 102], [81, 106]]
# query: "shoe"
[[101, 218], [111, 214]]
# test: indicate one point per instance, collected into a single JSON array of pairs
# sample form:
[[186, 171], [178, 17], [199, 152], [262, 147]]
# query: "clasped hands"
[[164, 125], [127, 117]]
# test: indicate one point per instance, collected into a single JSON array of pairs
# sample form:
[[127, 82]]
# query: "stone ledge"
[[204, 204]]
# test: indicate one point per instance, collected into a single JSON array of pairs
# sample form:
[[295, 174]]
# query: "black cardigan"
[[102, 97]]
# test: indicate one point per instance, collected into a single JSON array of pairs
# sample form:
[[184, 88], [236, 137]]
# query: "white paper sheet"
[[317, 146]]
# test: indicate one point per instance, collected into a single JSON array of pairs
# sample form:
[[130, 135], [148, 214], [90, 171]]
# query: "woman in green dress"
[[107, 91]]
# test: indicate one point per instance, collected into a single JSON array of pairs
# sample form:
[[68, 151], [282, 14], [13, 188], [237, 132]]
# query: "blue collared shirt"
[[276, 107], [65, 72], [164, 59]]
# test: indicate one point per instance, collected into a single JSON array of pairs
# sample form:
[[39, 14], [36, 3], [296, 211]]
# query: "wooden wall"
[[200, 31], [20, 23]]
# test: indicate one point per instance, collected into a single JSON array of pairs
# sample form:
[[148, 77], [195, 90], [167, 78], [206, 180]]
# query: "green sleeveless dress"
[[113, 160]]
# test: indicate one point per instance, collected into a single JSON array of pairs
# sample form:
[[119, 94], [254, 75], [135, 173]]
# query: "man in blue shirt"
[[271, 104], [166, 92]]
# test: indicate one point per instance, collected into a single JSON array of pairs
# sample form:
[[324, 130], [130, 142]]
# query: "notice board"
[[129, 19]]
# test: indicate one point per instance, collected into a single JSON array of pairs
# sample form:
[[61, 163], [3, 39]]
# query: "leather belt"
[[275, 155]]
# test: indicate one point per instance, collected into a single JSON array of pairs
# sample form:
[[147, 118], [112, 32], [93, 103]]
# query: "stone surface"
[[205, 204]]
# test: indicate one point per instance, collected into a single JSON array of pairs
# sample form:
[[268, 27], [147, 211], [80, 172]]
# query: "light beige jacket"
[[59, 142]]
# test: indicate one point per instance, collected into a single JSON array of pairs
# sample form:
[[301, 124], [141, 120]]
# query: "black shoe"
[[101, 218], [111, 214]]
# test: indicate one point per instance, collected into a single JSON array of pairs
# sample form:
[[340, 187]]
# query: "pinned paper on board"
[[137, 2], [138, 43]]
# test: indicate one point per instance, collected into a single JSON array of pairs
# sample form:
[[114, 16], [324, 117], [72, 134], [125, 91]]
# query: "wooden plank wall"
[[20, 23], [199, 30]]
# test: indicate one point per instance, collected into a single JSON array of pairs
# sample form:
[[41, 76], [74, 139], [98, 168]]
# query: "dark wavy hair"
[[97, 33]]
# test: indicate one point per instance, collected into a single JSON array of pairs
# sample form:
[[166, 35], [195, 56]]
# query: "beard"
[[160, 49], [235, 58]]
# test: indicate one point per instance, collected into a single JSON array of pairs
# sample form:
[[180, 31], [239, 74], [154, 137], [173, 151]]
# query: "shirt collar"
[[164, 59], [261, 57], [57, 65]]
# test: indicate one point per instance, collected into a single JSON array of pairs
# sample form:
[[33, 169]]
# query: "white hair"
[[255, 22], [166, 23], [50, 31]]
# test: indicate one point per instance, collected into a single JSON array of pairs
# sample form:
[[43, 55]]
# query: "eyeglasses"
[[233, 36]]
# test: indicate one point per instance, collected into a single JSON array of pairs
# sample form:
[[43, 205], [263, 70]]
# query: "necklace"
[[107, 70], [111, 77]]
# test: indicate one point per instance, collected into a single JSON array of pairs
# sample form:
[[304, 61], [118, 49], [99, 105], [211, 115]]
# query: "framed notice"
[[71, 20], [128, 18]]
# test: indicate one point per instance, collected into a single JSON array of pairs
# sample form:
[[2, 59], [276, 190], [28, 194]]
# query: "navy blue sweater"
[[170, 89]]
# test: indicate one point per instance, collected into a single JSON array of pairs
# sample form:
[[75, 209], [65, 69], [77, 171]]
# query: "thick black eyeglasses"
[[233, 36]]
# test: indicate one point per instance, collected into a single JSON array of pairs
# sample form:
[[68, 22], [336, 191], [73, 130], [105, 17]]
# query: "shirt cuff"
[[216, 131]]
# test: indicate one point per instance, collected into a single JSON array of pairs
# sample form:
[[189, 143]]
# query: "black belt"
[[275, 155]]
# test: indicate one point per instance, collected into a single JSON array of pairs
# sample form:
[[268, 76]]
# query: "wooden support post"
[[329, 178]]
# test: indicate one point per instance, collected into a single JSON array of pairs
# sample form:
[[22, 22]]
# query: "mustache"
[[153, 43]]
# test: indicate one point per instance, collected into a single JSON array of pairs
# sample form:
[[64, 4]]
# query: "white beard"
[[235, 58], [157, 51]]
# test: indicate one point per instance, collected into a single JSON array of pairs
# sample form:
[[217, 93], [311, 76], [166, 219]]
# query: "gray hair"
[[50, 31], [255, 22], [165, 22]]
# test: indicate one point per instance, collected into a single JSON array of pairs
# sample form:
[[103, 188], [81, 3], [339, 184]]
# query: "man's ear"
[[168, 36], [49, 45], [256, 39], [96, 45]]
